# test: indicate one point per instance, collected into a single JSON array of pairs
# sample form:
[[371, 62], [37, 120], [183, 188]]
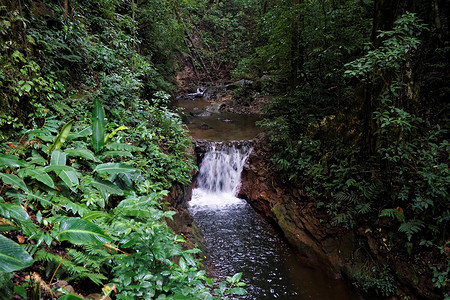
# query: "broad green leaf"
[[27, 87], [62, 136], [236, 277], [13, 211], [83, 153], [37, 159], [58, 165], [13, 180], [135, 212], [8, 160], [95, 214], [181, 297], [189, 260], [114, 168], [58, 169], [182, 264], [112, 134], [58, 158], [97, 135], [98, 126], [70, 178], [41, 176], [237, 291], [79, 231], [106, 186], [98, 111], [83, 133], [12, 256]]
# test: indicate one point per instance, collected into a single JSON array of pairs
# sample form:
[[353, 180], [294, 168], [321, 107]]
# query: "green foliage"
[[12, 256], [440, 276], [87, 196], [371, 156], [411, 227], [310, 39], [98, 126], [397, 46], [108, 212], [61, 138], [235, 286], [374, 281], [217, 35], [72, 267]]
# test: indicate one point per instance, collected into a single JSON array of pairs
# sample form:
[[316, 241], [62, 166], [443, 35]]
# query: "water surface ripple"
[[240, 240]]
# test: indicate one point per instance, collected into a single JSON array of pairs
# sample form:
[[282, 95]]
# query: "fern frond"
[[61, 107], [42, 255], [85, 259], [411, 227], [371, 190], [97, 251], [351, 197], [31, 249], [73, 269], [393, 213], [363, 208], [46, 132], [343, 219]]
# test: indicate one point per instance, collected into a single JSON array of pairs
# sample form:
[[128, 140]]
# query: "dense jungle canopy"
[[90, 145]]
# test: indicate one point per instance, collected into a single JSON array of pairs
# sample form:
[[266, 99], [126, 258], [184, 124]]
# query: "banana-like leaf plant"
[[12, 256], [61, 138]]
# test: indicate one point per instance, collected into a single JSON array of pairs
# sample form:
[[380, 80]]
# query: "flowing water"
[[240, 240], [206, 122]]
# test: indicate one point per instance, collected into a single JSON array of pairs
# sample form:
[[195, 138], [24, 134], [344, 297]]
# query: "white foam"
[[219, 178], [206, 200]]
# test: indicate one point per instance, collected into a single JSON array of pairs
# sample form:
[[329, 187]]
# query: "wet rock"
[[205, 126], [65, 285], [239, 83], [215, 107], [185, 119], [197, 94], [200, 114]]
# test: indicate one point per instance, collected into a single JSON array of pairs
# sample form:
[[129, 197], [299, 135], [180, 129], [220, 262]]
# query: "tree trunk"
[[385, 13], [66, 9]]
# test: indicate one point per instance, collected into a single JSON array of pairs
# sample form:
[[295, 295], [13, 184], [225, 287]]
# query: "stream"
[[237, 238]]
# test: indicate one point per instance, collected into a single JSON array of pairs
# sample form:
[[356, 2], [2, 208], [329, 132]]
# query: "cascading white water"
[[220, 176], [220, 171]]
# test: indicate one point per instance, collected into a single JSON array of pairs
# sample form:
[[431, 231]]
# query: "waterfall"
[[219, 175], [220, 170]]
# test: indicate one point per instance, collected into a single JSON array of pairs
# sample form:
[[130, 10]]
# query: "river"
[[237, 238]]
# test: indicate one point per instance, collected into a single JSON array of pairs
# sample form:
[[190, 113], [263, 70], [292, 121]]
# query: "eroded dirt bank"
[[339, 251]]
